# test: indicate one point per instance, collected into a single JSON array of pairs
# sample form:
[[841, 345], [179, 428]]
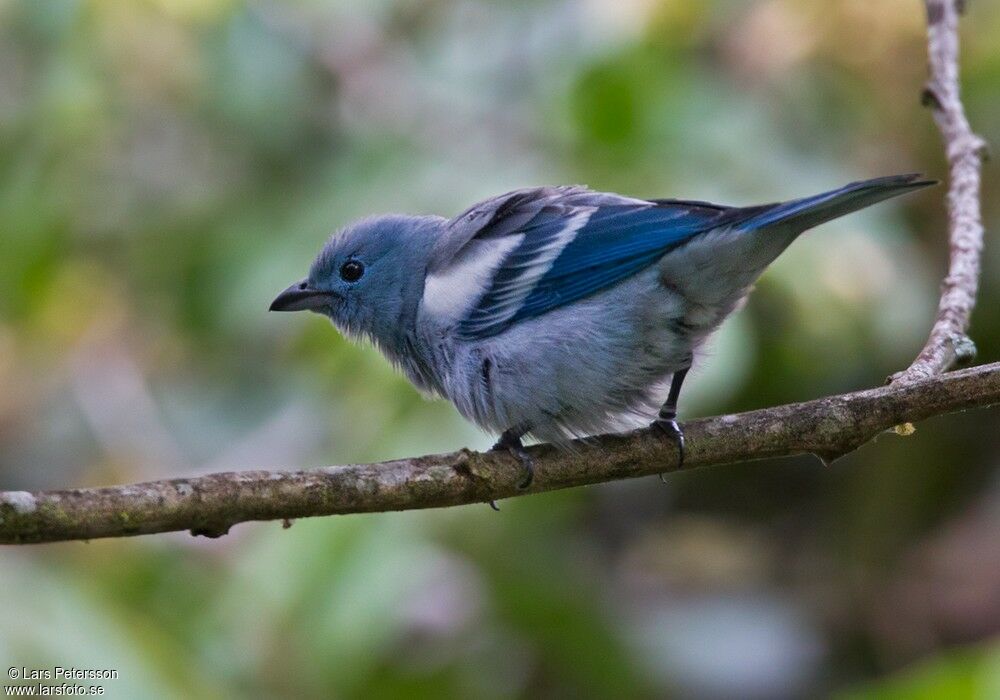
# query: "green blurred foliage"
[[166, 166]]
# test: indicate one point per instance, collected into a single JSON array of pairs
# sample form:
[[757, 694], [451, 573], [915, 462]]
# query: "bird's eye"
[[351, 271]]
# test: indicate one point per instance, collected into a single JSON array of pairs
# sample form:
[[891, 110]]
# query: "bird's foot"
[[668, 427], [509, 442]]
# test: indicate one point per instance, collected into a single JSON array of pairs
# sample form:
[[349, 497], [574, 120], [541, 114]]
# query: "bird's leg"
[[666, 421], [510, 441]]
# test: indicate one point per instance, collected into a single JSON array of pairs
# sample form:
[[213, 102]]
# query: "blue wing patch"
[[615, 242], [576, 242]]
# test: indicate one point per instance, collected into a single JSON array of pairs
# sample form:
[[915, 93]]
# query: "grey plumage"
[[558, 312]]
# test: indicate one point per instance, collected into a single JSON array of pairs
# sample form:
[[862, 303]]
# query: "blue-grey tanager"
[[557, 311]]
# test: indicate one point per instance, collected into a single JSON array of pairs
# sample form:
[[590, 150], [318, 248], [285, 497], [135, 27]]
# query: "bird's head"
[[369, 277]]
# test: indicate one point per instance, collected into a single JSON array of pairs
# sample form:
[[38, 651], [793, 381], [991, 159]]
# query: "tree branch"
[[210, 505], [828, 427], [948, 343]]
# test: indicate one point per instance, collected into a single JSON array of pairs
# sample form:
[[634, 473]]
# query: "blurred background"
[[167, 166]]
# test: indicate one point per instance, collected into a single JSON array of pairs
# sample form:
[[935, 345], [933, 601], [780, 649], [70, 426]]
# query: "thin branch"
[[828, 427], [210, 505], [948, 343]]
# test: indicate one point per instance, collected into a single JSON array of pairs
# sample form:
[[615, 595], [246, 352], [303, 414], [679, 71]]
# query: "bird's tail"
[[801, 214]]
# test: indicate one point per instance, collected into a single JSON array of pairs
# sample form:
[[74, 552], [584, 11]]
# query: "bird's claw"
[[669, 428], [529, 471], [515, 448]]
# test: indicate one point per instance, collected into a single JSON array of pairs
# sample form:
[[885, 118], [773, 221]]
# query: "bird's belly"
[[577, 370]]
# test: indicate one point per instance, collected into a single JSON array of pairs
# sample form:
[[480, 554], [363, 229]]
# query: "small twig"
[[948, 345], [210, 505]]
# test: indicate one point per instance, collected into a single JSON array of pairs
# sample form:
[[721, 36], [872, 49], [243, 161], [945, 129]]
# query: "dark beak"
[[301, 297]]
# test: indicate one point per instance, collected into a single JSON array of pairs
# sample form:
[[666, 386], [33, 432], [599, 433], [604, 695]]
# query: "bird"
[[558, 312]]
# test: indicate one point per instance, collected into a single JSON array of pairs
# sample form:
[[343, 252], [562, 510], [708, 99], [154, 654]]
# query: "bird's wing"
[[530, 251]]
